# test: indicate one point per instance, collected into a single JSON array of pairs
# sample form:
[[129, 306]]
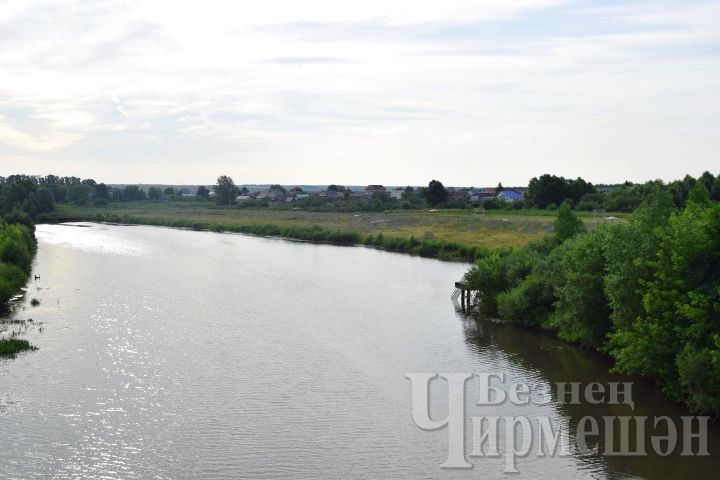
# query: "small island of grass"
[[9, 347]]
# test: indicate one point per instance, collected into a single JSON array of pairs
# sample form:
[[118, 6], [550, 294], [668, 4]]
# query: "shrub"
[[11, 346]]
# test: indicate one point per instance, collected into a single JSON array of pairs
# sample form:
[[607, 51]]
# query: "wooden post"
[[462, 299]]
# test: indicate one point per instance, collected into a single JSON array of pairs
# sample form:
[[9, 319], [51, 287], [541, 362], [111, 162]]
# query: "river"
[[166, 353]]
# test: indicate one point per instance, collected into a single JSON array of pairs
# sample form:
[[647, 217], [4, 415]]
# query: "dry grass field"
[[468, 227]]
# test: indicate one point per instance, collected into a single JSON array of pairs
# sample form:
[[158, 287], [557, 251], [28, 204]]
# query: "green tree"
[[102, 191], [15, 246], [78, 194], [202, 192], [409, 195], [581, 313], [487, 276], [676, 339], [154, 193], [546, 190], [132, 193], [19, 217], [567, 224], [715, 190], [698, 195], [225, 190], [550, 189], [45, 200], [436, 193], [169, 191], [707, 179], [630, 250]]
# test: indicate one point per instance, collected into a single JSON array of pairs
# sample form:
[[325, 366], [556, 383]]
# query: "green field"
[[471, 228]]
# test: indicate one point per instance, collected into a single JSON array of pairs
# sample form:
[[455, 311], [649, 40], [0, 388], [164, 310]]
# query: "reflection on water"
[[84, 237], [555, 361], [178, 354]]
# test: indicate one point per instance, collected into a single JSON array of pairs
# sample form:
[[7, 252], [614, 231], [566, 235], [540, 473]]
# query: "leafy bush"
[[647, 292], [581, 312]]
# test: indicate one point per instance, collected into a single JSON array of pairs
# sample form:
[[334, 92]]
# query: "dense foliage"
[[21, 200], [225, 191], [435, 194], [17, 244], [646, 292], [552, 190]]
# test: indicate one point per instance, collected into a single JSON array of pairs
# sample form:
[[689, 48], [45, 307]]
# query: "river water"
[[166, 353]]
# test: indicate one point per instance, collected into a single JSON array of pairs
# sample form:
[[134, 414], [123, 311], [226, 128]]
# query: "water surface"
[[166, 353]]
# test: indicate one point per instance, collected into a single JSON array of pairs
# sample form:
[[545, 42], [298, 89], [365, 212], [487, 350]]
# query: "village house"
[[269, 195], [375, 189], [485, 193], [332, 194], [458, 196], [509, 195]]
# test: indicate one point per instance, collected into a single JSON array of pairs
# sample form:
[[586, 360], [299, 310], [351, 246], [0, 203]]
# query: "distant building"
[[458, 196], [263, 195], [269, 195], [242, 198], [487, 193], [510, 196], [375, 189], [334, 194]]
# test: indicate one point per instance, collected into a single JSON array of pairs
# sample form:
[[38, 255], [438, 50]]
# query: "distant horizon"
[[490, 184]]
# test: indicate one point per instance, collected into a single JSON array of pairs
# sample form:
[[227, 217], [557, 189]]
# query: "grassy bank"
[[426, 247], [445, 234]]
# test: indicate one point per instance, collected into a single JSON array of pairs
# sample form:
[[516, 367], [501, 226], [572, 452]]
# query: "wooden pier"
[[463, 291]]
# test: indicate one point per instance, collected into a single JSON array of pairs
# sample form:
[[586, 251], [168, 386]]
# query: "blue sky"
[[395, 92]]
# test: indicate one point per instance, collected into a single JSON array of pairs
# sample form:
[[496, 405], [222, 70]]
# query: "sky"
[[355, 92]]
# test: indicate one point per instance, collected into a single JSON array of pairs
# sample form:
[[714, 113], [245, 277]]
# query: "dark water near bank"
[[175, 354]]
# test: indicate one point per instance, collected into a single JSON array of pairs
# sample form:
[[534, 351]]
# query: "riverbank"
[[17, 248], [455, 235], [448, 251], [642, 292]]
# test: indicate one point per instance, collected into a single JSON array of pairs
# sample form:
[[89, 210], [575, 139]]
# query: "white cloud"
[[403, 90], [33, 142]]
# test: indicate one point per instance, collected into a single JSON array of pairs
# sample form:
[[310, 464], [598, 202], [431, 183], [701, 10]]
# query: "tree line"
[[549, 191], [544, 192], [52, 188], [645, 292]]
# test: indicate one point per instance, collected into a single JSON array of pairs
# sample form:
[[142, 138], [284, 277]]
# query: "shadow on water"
[[556, 361]]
